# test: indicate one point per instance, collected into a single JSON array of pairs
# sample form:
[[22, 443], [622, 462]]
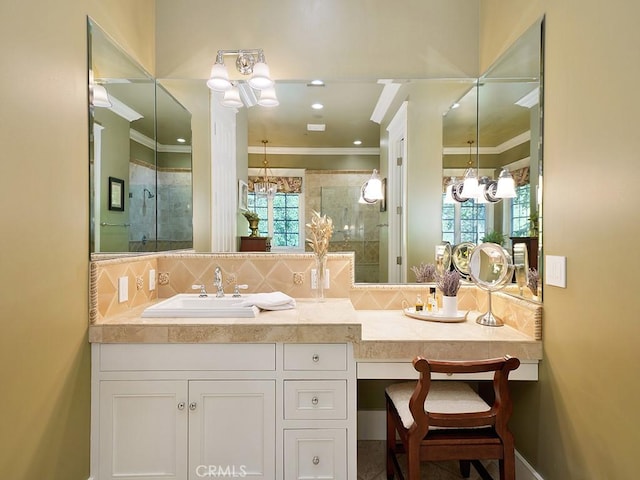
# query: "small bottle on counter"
[[432, 304], [419, 304]]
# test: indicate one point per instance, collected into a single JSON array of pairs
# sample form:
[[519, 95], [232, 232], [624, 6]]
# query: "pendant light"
[[470, 187], [267, 186]]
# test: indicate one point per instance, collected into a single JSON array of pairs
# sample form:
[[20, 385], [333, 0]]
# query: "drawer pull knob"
[[315, 358], [314, 401], [316, 460], [449, 374], [181, 406], [192, 406]]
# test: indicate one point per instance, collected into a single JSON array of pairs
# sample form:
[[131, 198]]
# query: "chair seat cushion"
[[443, 397]]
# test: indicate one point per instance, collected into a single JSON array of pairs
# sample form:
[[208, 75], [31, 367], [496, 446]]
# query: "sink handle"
[[202, 288], [237, 288]]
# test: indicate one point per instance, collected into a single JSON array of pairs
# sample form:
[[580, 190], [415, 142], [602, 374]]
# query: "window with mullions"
[[463, 222], [280, 218], [520, 211]]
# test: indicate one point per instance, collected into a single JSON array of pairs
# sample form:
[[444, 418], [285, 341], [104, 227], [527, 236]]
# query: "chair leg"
[[391, 445], [465, 468], [413, 460], [507, 464], [484, 475]]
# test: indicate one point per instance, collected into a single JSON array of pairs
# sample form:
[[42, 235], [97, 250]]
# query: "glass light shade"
[[448, 197], [506, 185], [260, 78], [219, 79], [232, 98], [268, 98], [470, 187], [363, 199], [265, 187], [100, 97], [373, 187]]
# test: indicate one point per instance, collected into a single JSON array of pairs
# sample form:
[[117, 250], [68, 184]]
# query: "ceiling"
[[348, 102]]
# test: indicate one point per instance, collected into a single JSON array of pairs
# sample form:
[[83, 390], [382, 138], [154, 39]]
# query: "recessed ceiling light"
[[357, 142], [180, 140], [317, 106], [316, 127], [316, 83]]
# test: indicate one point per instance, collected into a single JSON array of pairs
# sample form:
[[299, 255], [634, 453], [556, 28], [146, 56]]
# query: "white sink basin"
[[192, 305]]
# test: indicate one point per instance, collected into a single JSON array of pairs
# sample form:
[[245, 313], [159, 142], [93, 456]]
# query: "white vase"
[[449, 306]]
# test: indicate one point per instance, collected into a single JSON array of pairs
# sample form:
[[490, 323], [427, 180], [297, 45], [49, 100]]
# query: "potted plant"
[[449, 284], [254, 220], [493, 237]]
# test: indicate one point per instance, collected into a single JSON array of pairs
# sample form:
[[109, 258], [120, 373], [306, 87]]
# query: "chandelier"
[[267, 186]]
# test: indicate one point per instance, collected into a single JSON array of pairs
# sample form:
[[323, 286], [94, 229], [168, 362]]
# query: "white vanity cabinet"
[[190, 411]]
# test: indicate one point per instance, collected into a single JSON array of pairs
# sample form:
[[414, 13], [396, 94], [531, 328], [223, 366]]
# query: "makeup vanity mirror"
[[140, 141]]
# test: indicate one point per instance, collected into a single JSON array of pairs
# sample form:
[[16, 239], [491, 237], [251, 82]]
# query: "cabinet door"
[[143, 430], [232, 429], [315, 454]]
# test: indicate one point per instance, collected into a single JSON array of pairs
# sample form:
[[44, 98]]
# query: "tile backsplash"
[[288, 273]]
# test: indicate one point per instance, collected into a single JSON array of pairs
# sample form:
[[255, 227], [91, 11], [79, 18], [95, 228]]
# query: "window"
[[520, 211], [463, 222], [282, 215]]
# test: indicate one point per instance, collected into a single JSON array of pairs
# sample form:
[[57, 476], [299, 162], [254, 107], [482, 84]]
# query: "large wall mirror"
[[499, 113], [140, 156]]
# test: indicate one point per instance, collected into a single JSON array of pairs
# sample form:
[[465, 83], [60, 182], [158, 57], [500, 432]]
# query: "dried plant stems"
[[449, 283], [321, 229], [425, 272]]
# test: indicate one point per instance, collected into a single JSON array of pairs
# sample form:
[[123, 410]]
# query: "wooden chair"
[[448, 420]]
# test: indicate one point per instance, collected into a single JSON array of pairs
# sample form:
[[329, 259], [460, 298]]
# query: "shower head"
[[148, 192]]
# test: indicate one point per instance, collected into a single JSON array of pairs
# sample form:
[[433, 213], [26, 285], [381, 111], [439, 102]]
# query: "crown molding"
[[315, 151], [503, 147], [143, 140], [123, 110]]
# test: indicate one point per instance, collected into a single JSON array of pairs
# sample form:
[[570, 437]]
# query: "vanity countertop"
[[376, 334]]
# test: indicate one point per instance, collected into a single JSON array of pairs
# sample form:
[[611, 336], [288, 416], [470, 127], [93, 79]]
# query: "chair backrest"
[[497, 416]]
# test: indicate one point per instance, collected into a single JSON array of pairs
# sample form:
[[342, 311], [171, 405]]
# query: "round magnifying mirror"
[[443, 258], [490, 268], [460, 258]]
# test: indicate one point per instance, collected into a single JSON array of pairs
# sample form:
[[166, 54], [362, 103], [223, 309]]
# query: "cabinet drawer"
[[324, 356], [315, 453], [173, 357], [319, 399]]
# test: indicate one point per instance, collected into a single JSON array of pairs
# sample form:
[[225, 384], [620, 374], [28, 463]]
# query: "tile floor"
[[371, 465]]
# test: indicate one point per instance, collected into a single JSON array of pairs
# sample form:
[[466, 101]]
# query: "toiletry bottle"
[[432, 302], [419, 304]]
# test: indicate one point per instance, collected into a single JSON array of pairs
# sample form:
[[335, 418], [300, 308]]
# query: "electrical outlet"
[[152, 280], [123, 289], [555, 271]]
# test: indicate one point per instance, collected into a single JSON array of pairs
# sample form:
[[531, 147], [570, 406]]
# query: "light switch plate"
[[314, 279], [123, 289], [152, 280], [555, 268]]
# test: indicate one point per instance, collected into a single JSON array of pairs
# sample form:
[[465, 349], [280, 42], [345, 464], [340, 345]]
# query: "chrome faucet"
[[217, 282]]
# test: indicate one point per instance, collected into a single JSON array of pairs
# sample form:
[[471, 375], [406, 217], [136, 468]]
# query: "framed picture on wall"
[[116, 194], [243, 195]]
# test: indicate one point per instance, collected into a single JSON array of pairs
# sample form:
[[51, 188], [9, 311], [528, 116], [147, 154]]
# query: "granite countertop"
[[376, 334]]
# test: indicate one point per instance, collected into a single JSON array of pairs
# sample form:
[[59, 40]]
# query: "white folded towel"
[[269, 301]]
